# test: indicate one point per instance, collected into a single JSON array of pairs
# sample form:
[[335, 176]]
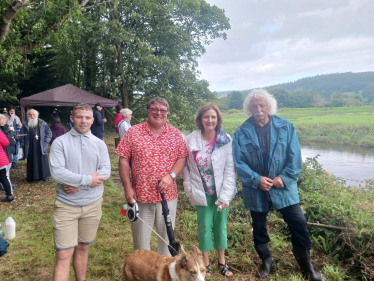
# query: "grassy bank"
[[348, 125], [339, 254]]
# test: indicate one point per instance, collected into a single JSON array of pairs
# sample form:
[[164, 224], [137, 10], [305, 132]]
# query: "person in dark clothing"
[[11, 148], [68, 119], [35, 146], [57, 129], [4, 161], [15, 125], [268, 161], [97, 128], [55, 114]]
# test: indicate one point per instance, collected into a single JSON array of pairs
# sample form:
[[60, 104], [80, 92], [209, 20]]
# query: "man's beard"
[[32, 123]]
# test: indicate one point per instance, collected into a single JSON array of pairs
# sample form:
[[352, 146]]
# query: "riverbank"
[[346, 125]]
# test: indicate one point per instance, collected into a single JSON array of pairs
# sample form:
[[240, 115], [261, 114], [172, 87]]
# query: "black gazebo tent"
[[67, 95]]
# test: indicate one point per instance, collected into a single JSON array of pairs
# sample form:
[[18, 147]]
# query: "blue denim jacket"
[[284, 161]]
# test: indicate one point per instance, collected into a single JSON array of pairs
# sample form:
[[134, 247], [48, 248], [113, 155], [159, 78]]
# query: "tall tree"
[[282, 96], [236, 100], [125, 50], [25, 28], [140, 48], [26, 25]]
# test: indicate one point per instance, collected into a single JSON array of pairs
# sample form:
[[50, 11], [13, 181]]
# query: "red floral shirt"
[[151, 159]]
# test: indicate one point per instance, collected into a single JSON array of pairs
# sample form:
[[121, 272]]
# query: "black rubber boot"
[[302, 257], [268, 262], [8, 198]]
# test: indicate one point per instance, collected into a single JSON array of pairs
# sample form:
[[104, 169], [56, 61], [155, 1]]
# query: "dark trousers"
[[99, 135], [5, 182], [295, 220]]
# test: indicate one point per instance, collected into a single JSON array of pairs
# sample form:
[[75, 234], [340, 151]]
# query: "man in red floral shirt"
[[157, 151]]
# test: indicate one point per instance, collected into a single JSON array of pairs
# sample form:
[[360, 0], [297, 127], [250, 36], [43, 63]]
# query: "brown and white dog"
[[144, 265]]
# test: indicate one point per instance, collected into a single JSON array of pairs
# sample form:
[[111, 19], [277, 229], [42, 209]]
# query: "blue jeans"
[[15, 155]]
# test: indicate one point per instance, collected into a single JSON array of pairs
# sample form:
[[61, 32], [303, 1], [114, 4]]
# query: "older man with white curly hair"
[[268, 162], [35, 146]]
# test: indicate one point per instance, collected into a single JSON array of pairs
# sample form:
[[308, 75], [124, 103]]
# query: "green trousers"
[[210, 221]]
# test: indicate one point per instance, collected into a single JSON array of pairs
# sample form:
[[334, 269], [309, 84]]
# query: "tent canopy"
[[67, 95]]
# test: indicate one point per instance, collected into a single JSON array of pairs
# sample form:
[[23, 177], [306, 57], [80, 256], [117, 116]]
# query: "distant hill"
[[223, 93], [325, 84]]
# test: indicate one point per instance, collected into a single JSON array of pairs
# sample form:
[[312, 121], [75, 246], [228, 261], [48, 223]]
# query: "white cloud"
[[278, 41]]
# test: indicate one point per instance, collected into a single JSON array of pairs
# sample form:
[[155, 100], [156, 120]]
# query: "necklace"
[[36, 133]]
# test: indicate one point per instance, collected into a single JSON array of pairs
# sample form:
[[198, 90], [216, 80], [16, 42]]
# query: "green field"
[[350, 125]]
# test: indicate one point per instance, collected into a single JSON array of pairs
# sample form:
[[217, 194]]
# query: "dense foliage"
[[125, 50], [328, 201]]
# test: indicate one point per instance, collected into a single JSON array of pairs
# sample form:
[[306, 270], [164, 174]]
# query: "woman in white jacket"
[[209, 180]]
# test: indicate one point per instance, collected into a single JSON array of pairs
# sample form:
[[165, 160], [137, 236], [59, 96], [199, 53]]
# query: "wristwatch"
[[173, 176]]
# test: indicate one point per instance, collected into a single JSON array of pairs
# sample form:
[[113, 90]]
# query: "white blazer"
[[223, 169]]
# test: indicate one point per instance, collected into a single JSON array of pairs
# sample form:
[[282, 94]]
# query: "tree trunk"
[[124, 94], [123, 86]]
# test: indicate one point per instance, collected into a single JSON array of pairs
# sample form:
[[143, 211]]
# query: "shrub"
[[367, 140], [327, 201], [346, 139]]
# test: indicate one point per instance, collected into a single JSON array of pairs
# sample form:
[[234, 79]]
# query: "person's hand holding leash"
[[69, 189], [265, 183], [278, 182], [165, 182], [130, 195], [96, 180]]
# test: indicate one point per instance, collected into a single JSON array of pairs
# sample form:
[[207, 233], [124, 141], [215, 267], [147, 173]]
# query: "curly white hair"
[[260, 93]]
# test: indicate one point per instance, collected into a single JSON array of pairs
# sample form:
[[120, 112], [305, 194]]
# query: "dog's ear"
[[183, 261], [196, 250], [183, 251]]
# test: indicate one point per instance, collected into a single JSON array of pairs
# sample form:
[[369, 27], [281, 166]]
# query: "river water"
[[352, 163]]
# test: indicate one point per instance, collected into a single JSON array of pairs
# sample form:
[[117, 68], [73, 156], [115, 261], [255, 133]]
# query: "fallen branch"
[[330, 226]]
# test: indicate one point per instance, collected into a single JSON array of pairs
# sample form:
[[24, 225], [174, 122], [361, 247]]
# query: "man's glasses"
[[155, 110]]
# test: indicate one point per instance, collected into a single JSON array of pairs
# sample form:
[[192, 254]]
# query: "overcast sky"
[[276, 41]]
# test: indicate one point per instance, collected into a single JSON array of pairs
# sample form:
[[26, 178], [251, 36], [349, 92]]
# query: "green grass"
[[349, 125], [355, 115]]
